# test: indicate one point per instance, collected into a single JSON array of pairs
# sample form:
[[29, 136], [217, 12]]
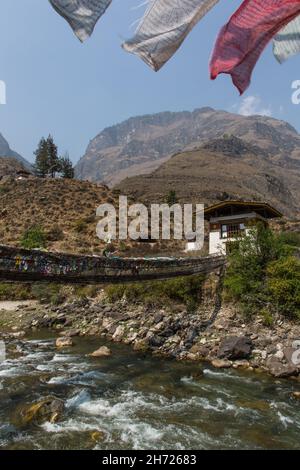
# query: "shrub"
[[34, 237], [290, 238], [84, 292], [4, 189], [80, 225], [55, 234], [263, 276], [48, 293], [283, 283], [15, 291], [182, 290]]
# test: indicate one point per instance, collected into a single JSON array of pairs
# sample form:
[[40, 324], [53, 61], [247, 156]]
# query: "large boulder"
[[49, 409], [235, 347], [291, 356], [280, 370]]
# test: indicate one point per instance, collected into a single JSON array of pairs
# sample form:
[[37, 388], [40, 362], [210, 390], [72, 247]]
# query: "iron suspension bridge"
[[20, 265]]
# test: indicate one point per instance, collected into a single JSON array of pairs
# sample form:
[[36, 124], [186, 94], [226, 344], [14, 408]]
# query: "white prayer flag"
[[82, 15], [164, 27], [287, 41]]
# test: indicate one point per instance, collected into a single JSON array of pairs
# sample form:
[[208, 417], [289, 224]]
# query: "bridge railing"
[[33, 265]]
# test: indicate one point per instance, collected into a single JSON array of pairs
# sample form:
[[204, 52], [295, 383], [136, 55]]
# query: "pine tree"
[[54, 162], [41, 166], [66, 167], [171, 198]]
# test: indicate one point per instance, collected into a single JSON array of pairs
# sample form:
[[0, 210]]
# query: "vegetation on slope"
[[264, 274]]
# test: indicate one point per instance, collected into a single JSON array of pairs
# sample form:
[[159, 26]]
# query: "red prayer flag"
[[249, 30]]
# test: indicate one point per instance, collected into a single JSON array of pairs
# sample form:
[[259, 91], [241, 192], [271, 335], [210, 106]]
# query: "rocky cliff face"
[[225, 168], [6, 151], [141, 144]]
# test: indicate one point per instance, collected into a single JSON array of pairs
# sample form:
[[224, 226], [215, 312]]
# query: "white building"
[[230, 220]]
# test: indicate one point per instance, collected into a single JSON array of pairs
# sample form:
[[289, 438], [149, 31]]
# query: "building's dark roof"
[[240, 207]]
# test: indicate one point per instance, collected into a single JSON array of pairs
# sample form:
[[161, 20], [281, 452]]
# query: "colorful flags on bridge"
[[244, 37], [82, 15], [164, 27]]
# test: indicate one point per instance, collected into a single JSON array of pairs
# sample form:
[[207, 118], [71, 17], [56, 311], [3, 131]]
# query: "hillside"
[[65, 209], [141, 144], [66, 212], [7, 152], [10, 167], [226, 168]]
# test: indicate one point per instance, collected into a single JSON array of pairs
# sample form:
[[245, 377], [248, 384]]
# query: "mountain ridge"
[[7, 152], [141, 144], [223, 169]]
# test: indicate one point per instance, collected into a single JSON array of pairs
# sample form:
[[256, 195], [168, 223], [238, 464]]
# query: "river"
[[133, 401]]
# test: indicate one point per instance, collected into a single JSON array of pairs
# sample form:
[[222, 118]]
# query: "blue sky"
[[57, 85]]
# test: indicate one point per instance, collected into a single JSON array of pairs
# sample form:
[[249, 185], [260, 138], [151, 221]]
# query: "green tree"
[[246, 278], [41, 166], [54, 162], [283, 282], [66, 167], [171, 198]]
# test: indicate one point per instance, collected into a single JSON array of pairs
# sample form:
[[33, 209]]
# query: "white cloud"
[[253, 105]]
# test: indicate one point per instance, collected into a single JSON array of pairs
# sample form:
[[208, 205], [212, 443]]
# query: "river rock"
[[104, 351], [141, 345], [64, 342], [48, 409], [221, 363], [296, 395], [279, 370], [235, 347], [292, 357], [241, 364], [119, 333], [199, 349], [18, 334]]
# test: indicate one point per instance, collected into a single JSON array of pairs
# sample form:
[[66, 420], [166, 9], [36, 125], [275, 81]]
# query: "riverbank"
[[171, 332]]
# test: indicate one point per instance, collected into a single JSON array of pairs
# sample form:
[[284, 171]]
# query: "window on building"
[[232, 230]]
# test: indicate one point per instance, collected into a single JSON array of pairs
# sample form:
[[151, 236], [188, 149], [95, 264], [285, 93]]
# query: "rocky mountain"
[[224, 168], [141, 144], [6, 151]]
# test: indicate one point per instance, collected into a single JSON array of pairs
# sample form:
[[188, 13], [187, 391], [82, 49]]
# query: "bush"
[[34, 237], [182, 290], [290, 238], [85, 292], [15, 291], [81, 225], [263, 275], [48, 293], [283, 283], [55, 234]]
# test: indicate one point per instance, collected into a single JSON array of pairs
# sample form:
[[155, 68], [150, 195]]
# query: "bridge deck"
[[17, 264]]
